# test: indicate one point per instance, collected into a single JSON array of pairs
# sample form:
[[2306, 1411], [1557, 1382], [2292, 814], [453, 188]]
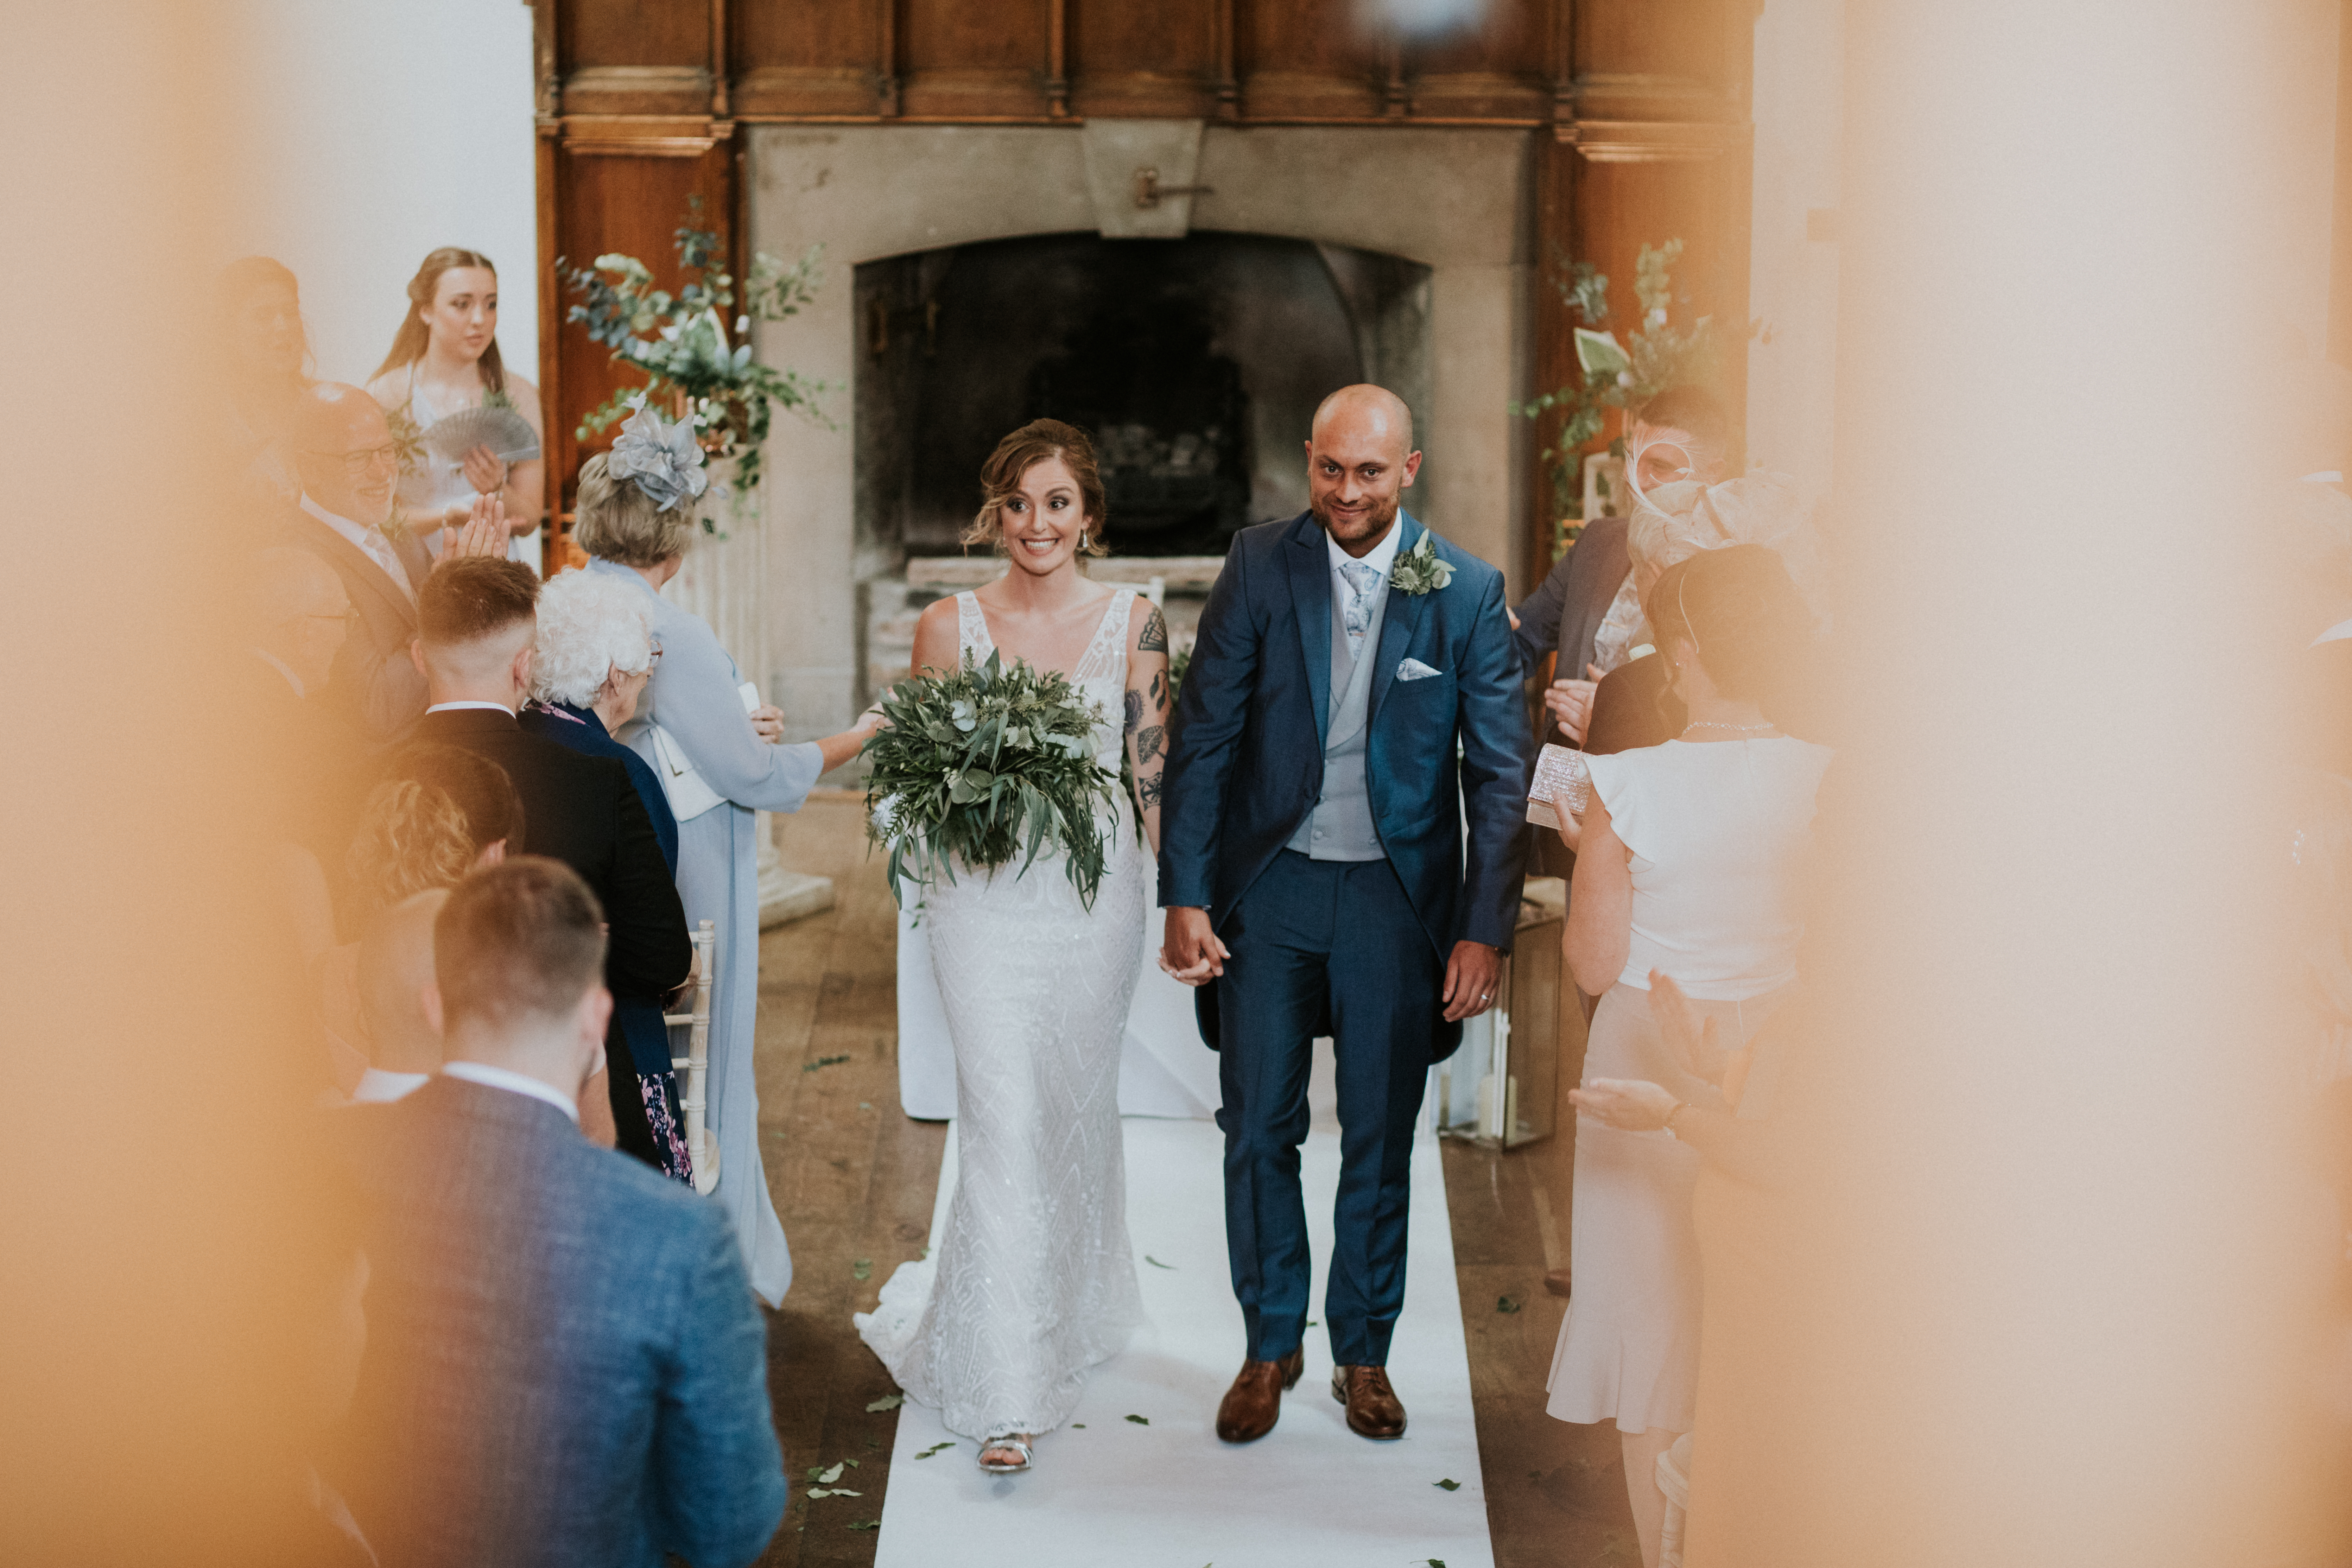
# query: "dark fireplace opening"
[[1196, 365]]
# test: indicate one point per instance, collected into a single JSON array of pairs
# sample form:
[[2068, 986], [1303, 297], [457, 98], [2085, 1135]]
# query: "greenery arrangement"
[[679, 343], [1610, 374], [983, 764]]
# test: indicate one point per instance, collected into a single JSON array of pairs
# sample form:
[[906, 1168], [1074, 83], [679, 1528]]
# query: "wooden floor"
[[853, 1180]]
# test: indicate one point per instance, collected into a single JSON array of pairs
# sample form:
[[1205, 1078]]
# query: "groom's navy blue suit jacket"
[[1246, 764]]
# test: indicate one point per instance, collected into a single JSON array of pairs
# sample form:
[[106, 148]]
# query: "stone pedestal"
[[722, 581]]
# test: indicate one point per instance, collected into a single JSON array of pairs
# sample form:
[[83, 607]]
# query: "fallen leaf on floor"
[[1140, 1421], [935, 1448], [887, 1401], [1313, 1322], [873, 1443], [850, 1463], [1157, 1264], [864, 1105], [862, 1269], [1506, 1304], [867, 1524], [1450, 1485], [829, 1477], [832, 1491], [1435, 1562], [823, 1062], [1078, 1426]]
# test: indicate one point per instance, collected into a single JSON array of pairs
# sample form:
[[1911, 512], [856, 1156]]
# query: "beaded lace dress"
[[1032, 1281]]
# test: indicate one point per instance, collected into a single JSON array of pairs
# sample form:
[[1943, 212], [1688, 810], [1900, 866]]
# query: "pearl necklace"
[[1735, 729]]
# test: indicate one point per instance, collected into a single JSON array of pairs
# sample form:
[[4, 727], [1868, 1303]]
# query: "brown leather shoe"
[[1252, 1405], [1374, 1409]]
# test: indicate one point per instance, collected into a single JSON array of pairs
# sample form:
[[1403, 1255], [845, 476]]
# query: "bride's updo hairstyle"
[[999, 480], [614, 520], [1741, 611]]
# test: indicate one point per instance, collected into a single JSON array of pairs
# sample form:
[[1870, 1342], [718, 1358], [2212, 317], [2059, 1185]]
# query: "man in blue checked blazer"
[[1353, 691]]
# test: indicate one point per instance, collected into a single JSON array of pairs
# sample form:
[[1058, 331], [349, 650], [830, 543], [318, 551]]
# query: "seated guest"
[[1588, 609], [477, 629], [395, 967], [596, 655], [566, 1366]]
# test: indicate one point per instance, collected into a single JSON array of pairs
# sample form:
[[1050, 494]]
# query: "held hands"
[[484, 471], [1191, 953], [1629, 1105], [768, 724], [1470, 976], [1694, 1041], [483, 533]]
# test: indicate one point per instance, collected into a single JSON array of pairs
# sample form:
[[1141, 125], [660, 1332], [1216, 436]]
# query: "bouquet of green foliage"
[[985, 765]]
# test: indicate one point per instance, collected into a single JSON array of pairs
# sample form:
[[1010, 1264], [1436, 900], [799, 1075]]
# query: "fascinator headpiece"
[[662, 459]]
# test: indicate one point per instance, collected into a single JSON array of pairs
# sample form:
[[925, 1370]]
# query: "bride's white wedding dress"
[[1032, 1281]]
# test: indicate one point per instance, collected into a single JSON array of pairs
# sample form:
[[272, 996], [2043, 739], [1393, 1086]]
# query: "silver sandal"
[[1019, 1444]]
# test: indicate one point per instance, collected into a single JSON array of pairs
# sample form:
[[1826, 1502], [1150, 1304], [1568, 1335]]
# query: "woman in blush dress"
[[719, 766], [1685, 862], [1033, 1280], [445, 358]]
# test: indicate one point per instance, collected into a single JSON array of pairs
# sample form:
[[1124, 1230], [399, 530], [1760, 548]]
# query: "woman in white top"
[[1683, 869], [445, 358]]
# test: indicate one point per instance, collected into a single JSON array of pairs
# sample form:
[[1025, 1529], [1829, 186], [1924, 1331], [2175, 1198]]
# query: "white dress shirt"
[[512, 1082], [372, 542], [1379, 558], [451, 707]]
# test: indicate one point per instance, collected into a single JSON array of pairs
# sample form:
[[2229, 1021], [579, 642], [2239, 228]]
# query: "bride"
[[1032, 1281]]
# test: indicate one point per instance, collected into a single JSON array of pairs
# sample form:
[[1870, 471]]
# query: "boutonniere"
[[1419, 571]]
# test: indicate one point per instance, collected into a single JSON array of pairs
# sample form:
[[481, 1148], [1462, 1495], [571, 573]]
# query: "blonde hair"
[[616, 521], [999, 480], [413, 836], [409, 343]]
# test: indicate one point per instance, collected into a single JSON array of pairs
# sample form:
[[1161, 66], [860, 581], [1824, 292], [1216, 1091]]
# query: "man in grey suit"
[[566, 1364]]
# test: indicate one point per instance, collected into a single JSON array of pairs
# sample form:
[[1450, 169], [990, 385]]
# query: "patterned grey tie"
[[1361, 580]]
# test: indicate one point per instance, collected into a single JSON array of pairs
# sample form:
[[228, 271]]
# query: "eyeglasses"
[[360, 462]]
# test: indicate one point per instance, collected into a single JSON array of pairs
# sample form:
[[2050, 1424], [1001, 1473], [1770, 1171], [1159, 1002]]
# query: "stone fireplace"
[[979, 276]]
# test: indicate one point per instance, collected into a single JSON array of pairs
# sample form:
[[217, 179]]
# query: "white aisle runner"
[[1310, 1493]]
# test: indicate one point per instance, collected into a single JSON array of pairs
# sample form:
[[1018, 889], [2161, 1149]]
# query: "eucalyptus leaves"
[[985, 765], [1420, 570]]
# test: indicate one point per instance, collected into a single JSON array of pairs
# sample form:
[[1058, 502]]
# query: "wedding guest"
[[1587, 608], [720, 765], [395, 966], [1683, 867], [594, 657], [1635, 705], [566, 1366], [347, 460], [445, 358], [264, 353], [476, 631]]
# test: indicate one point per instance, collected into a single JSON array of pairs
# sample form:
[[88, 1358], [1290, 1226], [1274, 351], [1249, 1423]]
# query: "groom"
[[1311, 859]]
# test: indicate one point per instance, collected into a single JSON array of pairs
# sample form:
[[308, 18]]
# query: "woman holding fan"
[[445, 370]]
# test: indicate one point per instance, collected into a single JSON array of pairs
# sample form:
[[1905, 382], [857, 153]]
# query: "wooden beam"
[[557, 441], [719, 59], [1058, 53], [886, 86], [1228, 85], [549, 95]]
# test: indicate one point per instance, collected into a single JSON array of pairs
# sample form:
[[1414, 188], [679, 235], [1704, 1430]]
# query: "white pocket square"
[[1413, 669]]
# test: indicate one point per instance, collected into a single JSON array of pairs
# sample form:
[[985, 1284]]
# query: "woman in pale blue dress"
[[636, 524]]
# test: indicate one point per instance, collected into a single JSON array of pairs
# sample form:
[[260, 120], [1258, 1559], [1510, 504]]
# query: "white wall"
[[391, 130], [1792, 279]]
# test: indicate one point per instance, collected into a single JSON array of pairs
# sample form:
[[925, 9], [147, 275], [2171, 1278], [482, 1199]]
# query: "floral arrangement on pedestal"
[[982, 765], [681, 345], [1611, 374]]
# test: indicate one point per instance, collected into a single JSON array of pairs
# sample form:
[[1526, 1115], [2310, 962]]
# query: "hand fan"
[[504, 431]]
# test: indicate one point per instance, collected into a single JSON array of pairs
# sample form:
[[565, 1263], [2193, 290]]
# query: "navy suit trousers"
[[1307, 936]]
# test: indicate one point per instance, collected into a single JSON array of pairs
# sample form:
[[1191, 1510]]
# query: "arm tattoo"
[[1158, 694], [1155, 633], [1134, 710], [1149, 743], [1148, 787]]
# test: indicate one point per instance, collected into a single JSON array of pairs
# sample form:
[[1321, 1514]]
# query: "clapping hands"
[[1569, 703], [483, 533]]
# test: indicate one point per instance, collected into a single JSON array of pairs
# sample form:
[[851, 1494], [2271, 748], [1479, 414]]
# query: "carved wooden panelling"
[[1147, 61], [825, 58], [964, 61], [1311, 59], [648, 57]]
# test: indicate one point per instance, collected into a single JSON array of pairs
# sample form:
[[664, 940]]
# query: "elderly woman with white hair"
[[596, 652], [722, 762], [1635, 705]]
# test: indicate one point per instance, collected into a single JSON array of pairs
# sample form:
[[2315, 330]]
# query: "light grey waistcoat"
[[1340, 827]]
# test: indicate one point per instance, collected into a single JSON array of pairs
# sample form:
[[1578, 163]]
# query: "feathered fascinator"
[[662, 459]]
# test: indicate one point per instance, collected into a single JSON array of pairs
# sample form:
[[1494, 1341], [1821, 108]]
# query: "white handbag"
[[689, 795]]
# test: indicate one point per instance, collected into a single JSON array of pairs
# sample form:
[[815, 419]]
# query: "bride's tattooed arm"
[[1147, 716]]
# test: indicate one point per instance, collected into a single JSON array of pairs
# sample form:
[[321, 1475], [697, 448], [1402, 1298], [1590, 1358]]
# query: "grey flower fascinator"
[[663, 459]]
